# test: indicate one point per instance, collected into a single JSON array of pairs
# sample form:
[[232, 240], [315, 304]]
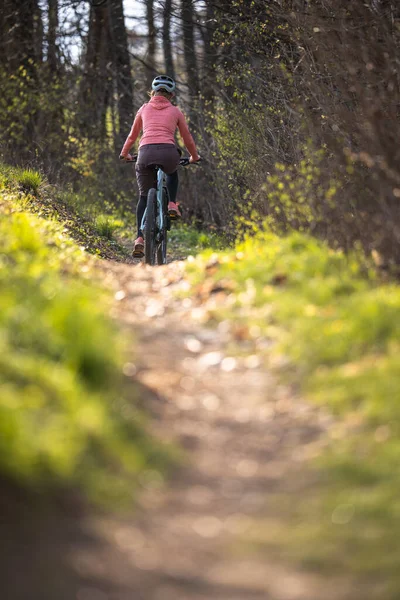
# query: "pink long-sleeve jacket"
[[159, 119]]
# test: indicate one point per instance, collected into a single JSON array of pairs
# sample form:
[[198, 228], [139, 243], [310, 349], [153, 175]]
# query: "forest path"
[[244, 437]]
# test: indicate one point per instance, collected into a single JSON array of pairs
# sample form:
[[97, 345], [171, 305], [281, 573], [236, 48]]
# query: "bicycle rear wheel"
[[150, 228], [162, 246]]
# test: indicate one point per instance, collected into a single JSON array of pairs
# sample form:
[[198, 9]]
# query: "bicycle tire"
[[150, 228], [162, 249], [162, 246]]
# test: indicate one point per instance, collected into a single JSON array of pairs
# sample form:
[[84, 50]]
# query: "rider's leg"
[[145, 176], [141, 207], [172, 186], [170, 162]]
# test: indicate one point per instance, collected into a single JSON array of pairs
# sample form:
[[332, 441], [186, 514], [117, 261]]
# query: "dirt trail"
[[244, 437]]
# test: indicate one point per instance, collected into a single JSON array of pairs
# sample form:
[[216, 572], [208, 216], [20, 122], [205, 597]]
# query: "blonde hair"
[[161, 92]]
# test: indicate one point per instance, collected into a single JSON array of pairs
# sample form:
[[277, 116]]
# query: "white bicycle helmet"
[[163, 82]]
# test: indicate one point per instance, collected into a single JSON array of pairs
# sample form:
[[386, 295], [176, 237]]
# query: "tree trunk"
[[52, 49], [122, 69], [190, 56], [151, 48], [97, 77], [167, 46], [209, 80]]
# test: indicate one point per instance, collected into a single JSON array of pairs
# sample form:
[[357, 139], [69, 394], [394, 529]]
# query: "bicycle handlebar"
[[184, 162]]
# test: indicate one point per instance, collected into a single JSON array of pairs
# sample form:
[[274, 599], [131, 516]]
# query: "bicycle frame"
[[161, 184]]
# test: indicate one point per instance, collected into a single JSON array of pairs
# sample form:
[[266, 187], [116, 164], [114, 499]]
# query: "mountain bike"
[[156, 221]]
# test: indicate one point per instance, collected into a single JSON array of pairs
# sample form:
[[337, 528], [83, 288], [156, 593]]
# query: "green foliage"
[[237, 166], [16, 179], [297, 196], [335, 327], [258, 179], [290, 89], [188, 240], [101, 182], [70, 208], [106, 225], [29, 180], [19, 101], [65, 417]]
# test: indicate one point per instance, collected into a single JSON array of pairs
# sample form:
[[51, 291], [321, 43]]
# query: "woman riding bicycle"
[[158, 119]]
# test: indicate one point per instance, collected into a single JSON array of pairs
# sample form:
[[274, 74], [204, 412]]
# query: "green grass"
[[67, 414], [106, 225], [88, 224], [29, 180], [337, 328], [187, 240]]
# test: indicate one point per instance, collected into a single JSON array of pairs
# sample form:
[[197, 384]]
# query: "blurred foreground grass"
[[67, 415], [333, 328]]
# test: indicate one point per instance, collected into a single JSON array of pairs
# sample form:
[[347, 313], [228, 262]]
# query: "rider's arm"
[[133, 135], [187, 137]]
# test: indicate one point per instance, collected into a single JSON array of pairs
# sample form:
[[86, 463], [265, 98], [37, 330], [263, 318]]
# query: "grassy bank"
[[333, 327], [92, 226], [101, 228], [67, 414]]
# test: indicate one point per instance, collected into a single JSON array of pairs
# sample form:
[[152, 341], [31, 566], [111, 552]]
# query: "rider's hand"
[[191, 159], [127, 158]]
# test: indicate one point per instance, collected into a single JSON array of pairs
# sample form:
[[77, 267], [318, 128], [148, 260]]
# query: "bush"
[[297, 82]]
